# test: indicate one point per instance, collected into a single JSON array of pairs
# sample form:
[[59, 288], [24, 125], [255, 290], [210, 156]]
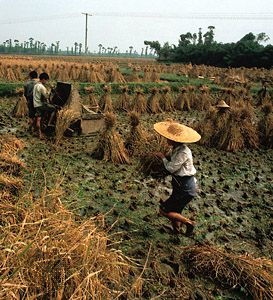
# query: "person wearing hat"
[[180, 166]]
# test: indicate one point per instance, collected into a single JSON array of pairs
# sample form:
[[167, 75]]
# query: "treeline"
[[199, 48], [31, 46]]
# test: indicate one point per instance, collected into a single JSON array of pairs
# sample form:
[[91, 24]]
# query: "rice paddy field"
[[74, 225]]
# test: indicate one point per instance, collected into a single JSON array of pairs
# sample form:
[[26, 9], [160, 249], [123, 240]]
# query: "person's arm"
[[177, 160], [44, 94]]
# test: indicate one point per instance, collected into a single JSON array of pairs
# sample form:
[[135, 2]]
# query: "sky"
[[125, 23]]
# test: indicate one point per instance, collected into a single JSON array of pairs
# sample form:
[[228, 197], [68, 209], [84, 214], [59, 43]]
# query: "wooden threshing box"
[[91, 122]]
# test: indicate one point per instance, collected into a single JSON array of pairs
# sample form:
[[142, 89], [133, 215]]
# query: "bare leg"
[[176, 219], [38, 126]]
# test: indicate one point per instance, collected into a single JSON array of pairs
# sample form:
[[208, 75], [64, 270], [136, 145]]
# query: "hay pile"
[[47, 254], [110, 146], [11, 166], [21, 108], [137, 135], [254, 275]]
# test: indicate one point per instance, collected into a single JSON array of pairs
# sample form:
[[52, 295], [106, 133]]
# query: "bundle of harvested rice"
[[93, 102], [253, 275], [137, 134], [123, 101], [110, 146], [166, 101], [203, 100], [11, 164], [49, 255], [153, 103], [105, 103], [139, 102], [64, 119], [116, 76], [266, 126], [10, 144], [10, 182], [183, 101], [21, 108], [150, 163], [155, 75]]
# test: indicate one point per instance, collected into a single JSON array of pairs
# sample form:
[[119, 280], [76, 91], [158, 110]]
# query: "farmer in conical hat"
[[222, 105], [180, 166]]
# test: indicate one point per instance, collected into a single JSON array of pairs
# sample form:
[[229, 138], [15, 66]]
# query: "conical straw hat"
[[222, 103], [177, 132]]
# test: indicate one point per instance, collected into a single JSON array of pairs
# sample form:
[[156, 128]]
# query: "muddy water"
[[233, 209]]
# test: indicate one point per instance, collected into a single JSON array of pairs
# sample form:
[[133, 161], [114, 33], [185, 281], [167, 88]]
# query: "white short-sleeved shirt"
[[39, 91], [181, 163]]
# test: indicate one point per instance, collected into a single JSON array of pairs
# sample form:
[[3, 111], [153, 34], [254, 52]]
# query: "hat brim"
[[223, 105], [177, 132]]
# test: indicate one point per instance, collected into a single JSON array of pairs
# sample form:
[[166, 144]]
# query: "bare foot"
[[190, 228]]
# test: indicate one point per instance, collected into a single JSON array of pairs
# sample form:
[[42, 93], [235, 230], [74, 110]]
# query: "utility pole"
[[86, 19]]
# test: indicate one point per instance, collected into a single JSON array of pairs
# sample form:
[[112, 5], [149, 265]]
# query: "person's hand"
[[159, 154]]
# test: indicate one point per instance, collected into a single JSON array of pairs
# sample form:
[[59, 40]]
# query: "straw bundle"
[[110, 146], [266, 126], [150, 163], [21, 108], [139, 103], [183, 101], [93, 102], [11, 164], [48, 255], [105, 103], [10, 144], [134, 77], [64, 119], [116, 76], [137, 134], [10, 74], [166, 101], [153, 103], [123, 102], [254, 275], [155, 75]]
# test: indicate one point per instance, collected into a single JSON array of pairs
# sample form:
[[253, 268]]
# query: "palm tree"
[[31, 42], [57, 47], [100, 46], [80, 48], [131, 49], [76, 47]]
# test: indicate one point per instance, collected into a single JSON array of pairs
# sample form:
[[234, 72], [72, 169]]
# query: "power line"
[[212, 16]]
